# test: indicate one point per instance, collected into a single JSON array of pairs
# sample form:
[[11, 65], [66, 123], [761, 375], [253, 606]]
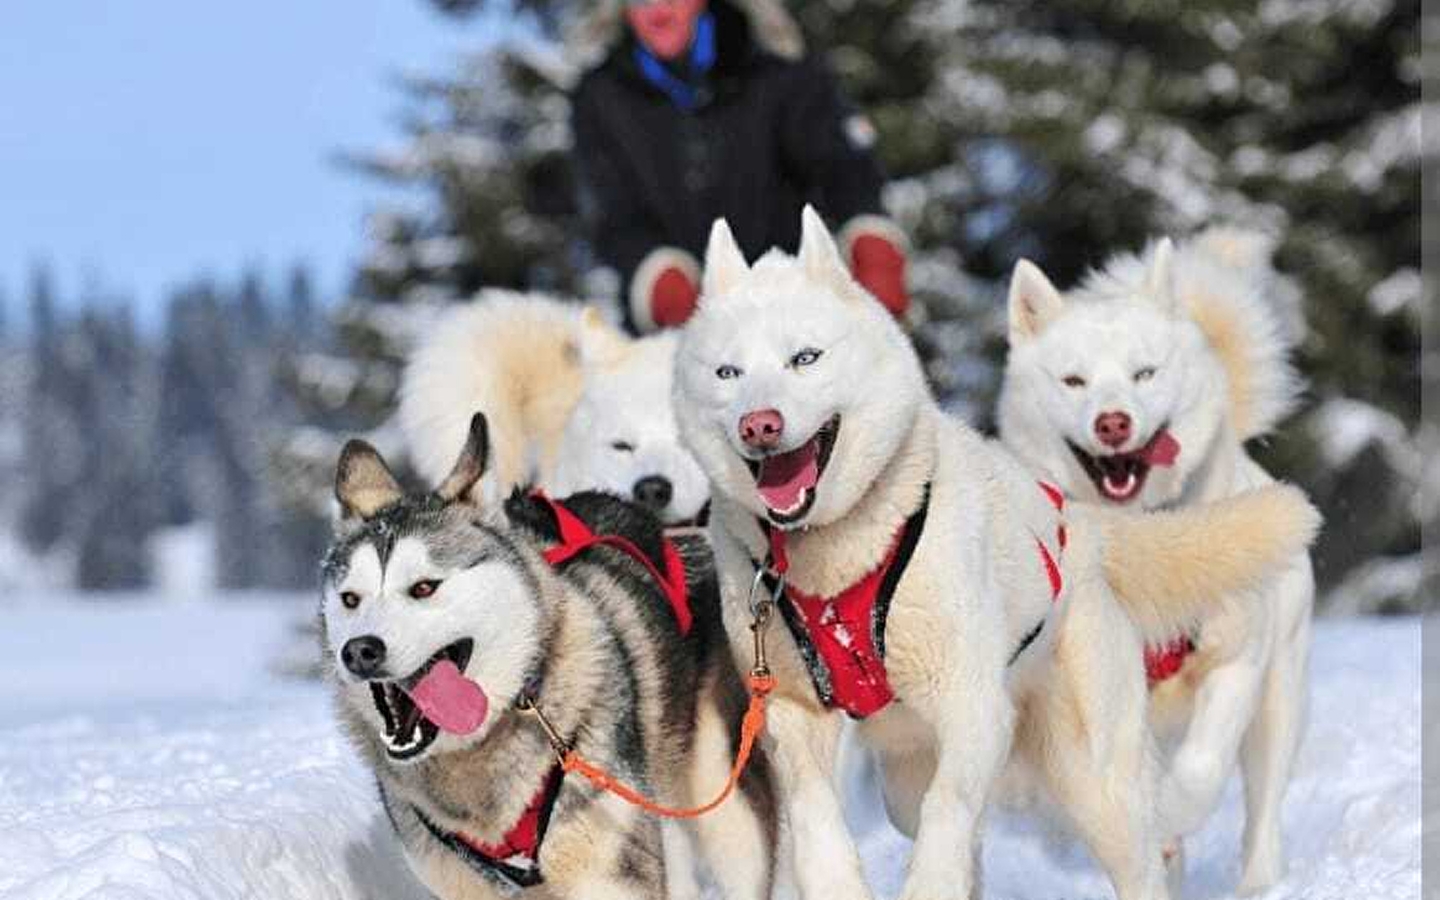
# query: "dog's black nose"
[[364, 656], [653, 492]]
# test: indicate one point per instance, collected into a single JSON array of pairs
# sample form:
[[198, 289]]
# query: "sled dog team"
[[1095, 616]]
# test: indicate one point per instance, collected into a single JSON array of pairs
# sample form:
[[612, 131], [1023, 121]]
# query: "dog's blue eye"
[[727, 371], [805, 357], [623, 446], [349, 599], [1144, 374], [422, 589]]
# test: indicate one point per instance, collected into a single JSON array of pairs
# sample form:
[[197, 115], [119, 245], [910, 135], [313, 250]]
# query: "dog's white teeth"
[[1121, 489], [795, 507]]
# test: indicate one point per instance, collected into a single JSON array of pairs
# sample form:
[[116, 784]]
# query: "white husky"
[[575, 405], [931, 587], [1141, 387]]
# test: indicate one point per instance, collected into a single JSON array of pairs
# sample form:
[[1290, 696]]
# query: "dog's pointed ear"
[[597, 342], [724, 263], [363, 483], [1160, 278], [1034, 302], [459, 484], [818, 253]]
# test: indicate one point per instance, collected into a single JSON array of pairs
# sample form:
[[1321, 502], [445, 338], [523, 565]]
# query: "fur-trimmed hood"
[[771, 27]]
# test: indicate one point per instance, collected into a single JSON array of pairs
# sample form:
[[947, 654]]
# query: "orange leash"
[[761, 684], [750, 728]]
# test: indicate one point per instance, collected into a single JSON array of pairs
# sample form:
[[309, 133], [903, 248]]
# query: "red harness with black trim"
[[842, 638], [516, 859]]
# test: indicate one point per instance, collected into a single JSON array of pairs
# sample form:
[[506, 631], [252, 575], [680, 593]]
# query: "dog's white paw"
[[1191, 789], [939, 889], [1260, 876]]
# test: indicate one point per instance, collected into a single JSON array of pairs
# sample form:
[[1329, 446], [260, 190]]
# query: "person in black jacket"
[[698, 110]]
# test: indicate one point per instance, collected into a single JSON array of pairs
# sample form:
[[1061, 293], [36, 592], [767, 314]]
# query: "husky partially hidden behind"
[[1141, 387], [933, 589], [443, 619], [574, 405]]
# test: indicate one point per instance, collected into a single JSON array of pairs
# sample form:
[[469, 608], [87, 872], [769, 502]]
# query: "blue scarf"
[[702, 59]]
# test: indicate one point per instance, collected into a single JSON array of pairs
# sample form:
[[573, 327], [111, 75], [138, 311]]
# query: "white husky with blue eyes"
[[992, 626], [1140, 388], [575, 405]]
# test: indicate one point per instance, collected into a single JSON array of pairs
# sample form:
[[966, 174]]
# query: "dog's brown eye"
[[1144, 374], [422, 589], [349, 599], [1074, 381], [623, 446]]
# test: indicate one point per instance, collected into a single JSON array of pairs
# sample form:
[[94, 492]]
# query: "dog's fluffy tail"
[[1235, 296], [510, 356], [1171, 567]]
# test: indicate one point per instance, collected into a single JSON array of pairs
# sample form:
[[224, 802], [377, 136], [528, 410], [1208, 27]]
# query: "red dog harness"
[[516, 859], [1162, 661], [842, 638], [576, 537], [1052, 567]]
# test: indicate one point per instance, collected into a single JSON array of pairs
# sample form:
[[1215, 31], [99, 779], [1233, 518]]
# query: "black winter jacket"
[[769, 136]]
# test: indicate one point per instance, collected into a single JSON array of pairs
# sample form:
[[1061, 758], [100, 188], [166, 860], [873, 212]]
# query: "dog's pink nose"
[[1112, 428], [762, 428]]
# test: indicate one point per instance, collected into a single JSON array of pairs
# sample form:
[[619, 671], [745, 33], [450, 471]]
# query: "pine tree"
[[1062, 131], [50, 428], [1131, 120], [301, 315]]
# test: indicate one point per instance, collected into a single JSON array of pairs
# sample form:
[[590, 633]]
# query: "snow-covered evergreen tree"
[[124, 433], [1062, 131], [1300, 118]]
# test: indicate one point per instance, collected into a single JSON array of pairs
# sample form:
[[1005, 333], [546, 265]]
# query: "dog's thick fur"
[[598, 647], [1198, 315], [796, 335], [574, 404]]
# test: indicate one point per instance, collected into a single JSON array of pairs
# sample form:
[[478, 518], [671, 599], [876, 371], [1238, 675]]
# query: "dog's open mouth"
[[787, 481], [436, 697], [1120, 477]]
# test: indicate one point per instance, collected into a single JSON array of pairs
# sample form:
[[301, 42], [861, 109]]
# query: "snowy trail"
[[145, 753]]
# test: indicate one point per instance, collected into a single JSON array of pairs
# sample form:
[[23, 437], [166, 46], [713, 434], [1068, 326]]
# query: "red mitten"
[[664, 289], [672, 299], [874, 249]]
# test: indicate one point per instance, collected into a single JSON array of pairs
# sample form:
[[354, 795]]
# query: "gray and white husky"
[[1140, 388], [933, 589], [439, 616]]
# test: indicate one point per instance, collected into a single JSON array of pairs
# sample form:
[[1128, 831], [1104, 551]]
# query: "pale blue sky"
[[144, 141]]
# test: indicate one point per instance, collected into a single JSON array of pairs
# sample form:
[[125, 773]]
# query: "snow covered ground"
[[146, 752]]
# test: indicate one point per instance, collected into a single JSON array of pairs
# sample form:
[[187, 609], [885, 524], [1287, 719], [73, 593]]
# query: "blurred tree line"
[[111, 433], [1062, 131]]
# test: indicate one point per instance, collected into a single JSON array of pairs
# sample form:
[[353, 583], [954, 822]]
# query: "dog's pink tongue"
[[450, 700], [785, 477], [1162, 450]]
